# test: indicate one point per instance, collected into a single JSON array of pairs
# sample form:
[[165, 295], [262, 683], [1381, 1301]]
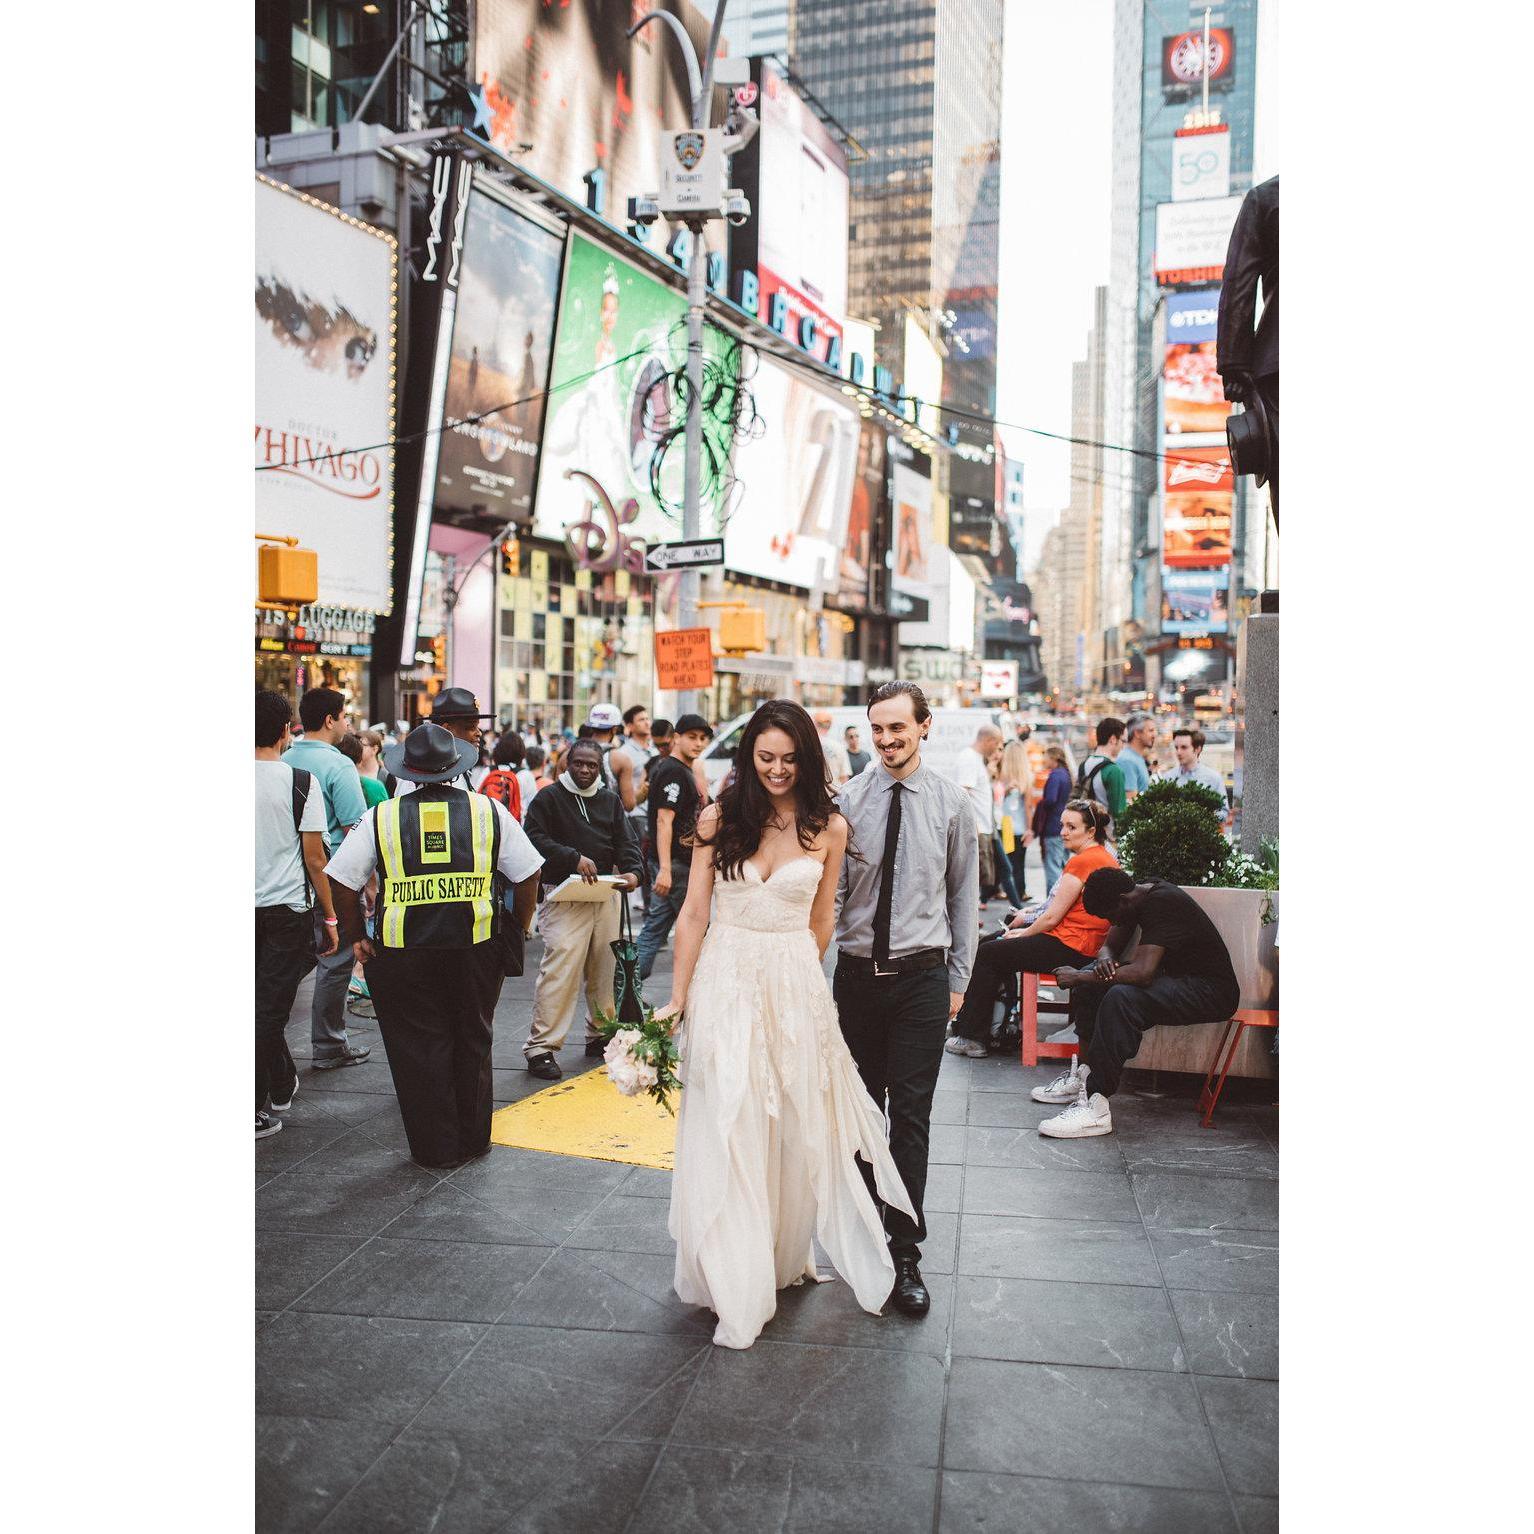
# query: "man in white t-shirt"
[[973, 774], [641, 750], [836, 755], [290, 876]]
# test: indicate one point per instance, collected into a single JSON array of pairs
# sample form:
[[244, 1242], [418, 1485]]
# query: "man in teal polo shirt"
[[322, 712]]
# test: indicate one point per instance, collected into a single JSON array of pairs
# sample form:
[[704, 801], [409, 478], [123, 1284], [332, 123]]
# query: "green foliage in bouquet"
[[646, 1060]]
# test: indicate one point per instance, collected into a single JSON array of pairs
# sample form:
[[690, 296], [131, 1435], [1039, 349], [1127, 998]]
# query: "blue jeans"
[[659, 920], [1053, 850], [1004, 875]]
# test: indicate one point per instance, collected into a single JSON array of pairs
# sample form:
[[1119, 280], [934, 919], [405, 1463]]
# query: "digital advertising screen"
[[793, 482], [1195, 601], [503, 341], [1193, 397], [325, 314], [620, 338]]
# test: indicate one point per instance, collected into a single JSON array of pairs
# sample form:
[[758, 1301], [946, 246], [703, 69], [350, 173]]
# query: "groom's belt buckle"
[[889, 967]]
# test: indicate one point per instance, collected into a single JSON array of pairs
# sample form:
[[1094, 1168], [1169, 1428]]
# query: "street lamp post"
[[702, 85]]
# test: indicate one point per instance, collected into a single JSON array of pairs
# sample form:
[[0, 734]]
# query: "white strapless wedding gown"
[[772, 1112]]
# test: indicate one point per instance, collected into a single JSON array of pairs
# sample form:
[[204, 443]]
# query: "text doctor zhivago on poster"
[[326, 291]]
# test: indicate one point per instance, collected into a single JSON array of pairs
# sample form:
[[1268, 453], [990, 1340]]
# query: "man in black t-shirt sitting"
[[672, 804], [1181, 973]]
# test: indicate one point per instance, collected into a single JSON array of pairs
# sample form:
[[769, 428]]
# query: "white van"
[[952, 730]]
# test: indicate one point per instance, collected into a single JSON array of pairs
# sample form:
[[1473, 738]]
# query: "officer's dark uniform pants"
[[1110, 1020], [434, 1008]]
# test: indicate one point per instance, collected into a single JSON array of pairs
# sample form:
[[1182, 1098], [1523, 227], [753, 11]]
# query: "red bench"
[[1033, 1049]]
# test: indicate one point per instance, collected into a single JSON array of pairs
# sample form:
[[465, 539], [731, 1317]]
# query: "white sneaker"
[[959, 1045], [1086, 1116], [1065, 1088]]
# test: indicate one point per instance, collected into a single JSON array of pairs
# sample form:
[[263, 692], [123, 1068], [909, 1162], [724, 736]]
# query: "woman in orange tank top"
[[1062, 934]]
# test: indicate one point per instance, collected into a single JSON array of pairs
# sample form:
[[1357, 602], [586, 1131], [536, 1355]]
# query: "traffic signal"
[[742, 630], [287, 577]]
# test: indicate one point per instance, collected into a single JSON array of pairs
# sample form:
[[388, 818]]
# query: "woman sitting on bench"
[[1063, 934]]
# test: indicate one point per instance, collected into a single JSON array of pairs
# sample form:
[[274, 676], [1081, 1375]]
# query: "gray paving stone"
[[479, 1483], [518, 1217], [1238, 1261], [949, 1107], [789, 1399], [509, 1167], [1195, 1151], [536, 1387], [646, 1182], [1025, 1149], [287, 1263], [358, 1368], [328, 1205], [704, 1491], [1054, 1420], [989, 1504], [1243, 1415], [942, 1192], [351, 1108], [829, 1313], [1009, 1110], [945, 1145], [364, 1149], [1072, 1251], [371, 1078], [1233, 1334], [1052, 1195], [429, 1280], [304, 1467], [1171, 1202], [1259, 1515], [608, 1291], [1110, 1326], [302, 1135], [621, 1223]]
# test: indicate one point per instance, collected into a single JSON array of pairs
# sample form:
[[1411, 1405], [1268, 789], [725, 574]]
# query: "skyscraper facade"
[[1157, 94], [918, 86]]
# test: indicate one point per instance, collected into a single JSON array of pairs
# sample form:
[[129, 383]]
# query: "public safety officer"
[[433, 966]]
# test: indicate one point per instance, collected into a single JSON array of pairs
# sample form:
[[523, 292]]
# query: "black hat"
[[457, 703], [1249, 436], [694, 722], [428, 754]]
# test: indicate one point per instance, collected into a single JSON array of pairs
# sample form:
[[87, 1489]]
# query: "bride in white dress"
[[773, 1112]]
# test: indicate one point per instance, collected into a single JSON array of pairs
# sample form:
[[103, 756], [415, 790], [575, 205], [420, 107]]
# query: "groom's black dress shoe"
[[910, 1293]]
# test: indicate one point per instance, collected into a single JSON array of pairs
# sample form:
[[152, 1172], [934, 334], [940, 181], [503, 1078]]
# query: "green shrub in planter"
[[1173, 832]]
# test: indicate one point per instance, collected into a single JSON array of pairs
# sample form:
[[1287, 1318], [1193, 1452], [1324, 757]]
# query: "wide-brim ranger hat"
[[457, 703], [428, 754]]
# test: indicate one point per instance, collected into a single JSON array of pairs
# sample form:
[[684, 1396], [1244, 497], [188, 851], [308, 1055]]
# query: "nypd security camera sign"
[[692, 173]]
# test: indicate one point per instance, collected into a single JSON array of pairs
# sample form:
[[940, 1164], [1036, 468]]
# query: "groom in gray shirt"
[[908, 907]]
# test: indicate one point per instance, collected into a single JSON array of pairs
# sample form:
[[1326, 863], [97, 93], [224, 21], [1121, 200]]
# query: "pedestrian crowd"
[[411, 899]]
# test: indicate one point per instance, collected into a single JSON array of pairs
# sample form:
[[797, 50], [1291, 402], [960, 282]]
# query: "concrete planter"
[[1254, 953]]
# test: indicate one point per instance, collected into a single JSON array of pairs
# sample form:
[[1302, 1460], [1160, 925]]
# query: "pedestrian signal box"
[[287, 577], [742, 630]]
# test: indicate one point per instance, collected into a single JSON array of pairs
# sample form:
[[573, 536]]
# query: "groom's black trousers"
[[894, 1026]]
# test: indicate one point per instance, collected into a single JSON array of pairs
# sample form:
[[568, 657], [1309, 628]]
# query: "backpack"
[[1084, 779], [302, 779], [502, 785]]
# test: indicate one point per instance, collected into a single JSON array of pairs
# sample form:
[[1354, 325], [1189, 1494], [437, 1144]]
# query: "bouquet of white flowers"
[[641, 1059]]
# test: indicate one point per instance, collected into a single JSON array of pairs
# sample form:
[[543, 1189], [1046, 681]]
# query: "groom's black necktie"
[[887, 879]]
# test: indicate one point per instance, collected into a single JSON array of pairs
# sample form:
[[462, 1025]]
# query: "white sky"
[[1055, 196]]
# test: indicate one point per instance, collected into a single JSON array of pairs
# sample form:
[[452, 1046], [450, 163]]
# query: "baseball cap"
[[604, 716], [694, 722]]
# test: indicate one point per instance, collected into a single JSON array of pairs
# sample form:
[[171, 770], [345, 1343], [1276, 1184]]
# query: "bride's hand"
[[670, 1013]]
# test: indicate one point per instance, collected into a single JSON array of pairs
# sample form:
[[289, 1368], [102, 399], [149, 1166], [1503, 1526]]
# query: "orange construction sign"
[[684, 659]]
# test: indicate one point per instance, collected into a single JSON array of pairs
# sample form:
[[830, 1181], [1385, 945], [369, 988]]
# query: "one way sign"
[[691, 554]]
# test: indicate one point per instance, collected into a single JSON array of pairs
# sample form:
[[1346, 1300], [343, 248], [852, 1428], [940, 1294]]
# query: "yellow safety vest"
[[437, 855]]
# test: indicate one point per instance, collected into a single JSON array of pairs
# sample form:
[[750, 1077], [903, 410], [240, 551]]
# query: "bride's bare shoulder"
[[708, 818], [834, 837]]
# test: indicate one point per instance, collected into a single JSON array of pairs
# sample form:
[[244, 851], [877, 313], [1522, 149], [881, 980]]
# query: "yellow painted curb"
[[588, 1116]]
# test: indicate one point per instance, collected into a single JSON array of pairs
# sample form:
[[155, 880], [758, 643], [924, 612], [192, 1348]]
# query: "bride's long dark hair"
[[745, 807]]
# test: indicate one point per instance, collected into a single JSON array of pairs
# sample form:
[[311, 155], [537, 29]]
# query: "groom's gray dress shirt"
[[937, 869]]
